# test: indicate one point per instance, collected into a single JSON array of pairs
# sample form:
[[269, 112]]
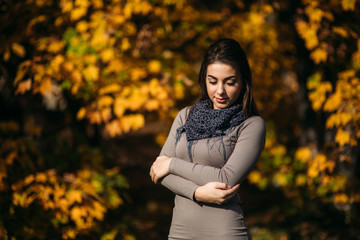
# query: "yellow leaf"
[[125, 44], [344, 75], [94, 117], [23, 86], [254, 177], [137, 73], [138, 121], [314, 14], [66, 5], [76, 213], [342, 137], [106, 114], [313, 171], [348, 4], [311, 39], [78, 13], [74, 196], [18, 49], [341, 198], [333, 102], [99, 210], [278, 150], [313, 81], [56, 46], [113, 128], [152, 105], [6, 55], [338, 119], [29, 179], [154, 66], [319, 55], [40, 177], [300, 180], [280, 179], [118, 19], [82, 26], [81, 113], [10, 158], [353, 142], [330, 165], [109, 235], [119, 106], [22, 71], [56, 62], [111, 88], [321, 162], [160, 139], [115, 66], [303, 154], [97, 4], [91, 73], [68, 66], [90, 58], [128, 9], [45, 86], [129, 237], [341, 31], [179, 91], [107, 54], [19, 199], [105, 101]]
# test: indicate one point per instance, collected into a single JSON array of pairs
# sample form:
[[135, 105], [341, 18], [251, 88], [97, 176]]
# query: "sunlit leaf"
[[319, 55], [342, 137], [348, 4], [18, 49]]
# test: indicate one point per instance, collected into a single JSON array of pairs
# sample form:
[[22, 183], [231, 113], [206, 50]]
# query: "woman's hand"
[[160, 168], [215, 192]]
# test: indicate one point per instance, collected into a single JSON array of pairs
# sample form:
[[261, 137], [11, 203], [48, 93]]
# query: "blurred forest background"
[[89, 88]]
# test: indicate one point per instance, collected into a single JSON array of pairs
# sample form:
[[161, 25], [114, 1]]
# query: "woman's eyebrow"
[[227, 78], [212, 77]]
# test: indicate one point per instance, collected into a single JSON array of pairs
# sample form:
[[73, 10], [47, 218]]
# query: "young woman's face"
[[223, 85]]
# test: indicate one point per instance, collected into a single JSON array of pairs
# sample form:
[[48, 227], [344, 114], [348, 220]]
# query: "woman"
[[211, 148]]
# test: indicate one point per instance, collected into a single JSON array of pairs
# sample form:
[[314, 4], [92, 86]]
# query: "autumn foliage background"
[[89, 88]]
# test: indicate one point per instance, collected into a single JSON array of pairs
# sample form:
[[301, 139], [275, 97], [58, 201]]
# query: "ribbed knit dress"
[[228, 159]]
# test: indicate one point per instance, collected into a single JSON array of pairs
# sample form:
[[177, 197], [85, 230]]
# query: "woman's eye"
[[212, 82], [230, 83]]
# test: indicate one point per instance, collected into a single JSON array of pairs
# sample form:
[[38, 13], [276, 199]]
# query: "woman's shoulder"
[[254, 122], [183, 115], [184, 112]]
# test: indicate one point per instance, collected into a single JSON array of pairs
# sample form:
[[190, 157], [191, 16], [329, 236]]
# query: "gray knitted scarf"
[[205, 122]]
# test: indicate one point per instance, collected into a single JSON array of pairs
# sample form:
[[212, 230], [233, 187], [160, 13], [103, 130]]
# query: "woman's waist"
[[233, 204]]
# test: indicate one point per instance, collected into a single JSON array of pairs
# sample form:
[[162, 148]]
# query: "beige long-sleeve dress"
[[227, 159]]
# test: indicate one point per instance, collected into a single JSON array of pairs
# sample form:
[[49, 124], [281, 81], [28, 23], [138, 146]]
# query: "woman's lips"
[[220, 100]]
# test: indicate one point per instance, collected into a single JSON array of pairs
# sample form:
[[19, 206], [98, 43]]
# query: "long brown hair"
[[228, 51]]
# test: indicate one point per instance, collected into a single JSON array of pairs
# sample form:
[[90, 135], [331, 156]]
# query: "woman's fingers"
[[231, 192], [160, 168]]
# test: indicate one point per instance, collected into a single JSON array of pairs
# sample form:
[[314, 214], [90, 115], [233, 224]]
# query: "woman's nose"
[[220, 89]]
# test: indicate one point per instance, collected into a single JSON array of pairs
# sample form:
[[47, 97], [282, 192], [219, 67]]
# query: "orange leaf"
[[342, 137], [91, 73], [77, 13], [22, 71], [18, 49], [45, 85], [319, 55], [23, 86], [348, 4], [81, 113], [112, 88]]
